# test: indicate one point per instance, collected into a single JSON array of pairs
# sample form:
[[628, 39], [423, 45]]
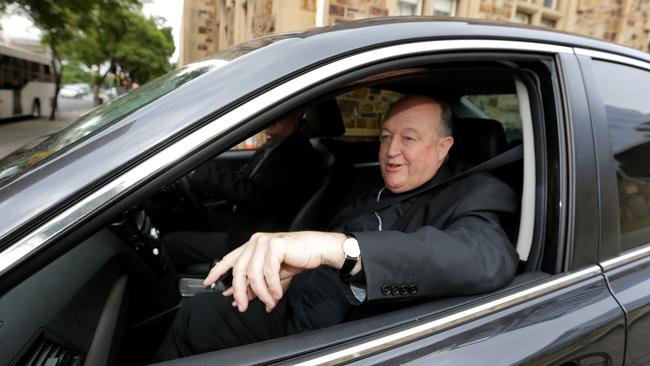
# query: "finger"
[[251, 295], [222, 267], [228, 292], [272, 267], [256, 273], [239, 279]]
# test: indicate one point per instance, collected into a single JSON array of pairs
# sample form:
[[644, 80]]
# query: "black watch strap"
[[347, 267]]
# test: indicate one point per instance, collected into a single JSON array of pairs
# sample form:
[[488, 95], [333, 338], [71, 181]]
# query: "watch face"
[[351, 247]]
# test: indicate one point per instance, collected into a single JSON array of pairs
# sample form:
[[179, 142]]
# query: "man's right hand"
[[264, 266]]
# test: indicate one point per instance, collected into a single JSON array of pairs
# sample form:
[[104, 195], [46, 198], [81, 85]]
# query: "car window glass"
[[362, 111], [501, 107], [99, 118], [625, 94]]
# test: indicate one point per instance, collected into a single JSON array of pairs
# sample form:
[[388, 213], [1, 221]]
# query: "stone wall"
[[599, 19], [501, 10], [263, 21], [343, 10], [363, 110]]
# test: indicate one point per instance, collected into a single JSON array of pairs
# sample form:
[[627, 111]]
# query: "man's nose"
[[394, 147]]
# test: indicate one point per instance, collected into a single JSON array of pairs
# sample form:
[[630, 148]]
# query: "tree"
[[61, 22], [125, 40], [74, 72]]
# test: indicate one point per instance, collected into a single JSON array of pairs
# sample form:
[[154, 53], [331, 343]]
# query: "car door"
[[560, 311], [620, 105]]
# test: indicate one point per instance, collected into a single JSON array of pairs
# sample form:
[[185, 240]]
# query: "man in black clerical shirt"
[[424, 235]]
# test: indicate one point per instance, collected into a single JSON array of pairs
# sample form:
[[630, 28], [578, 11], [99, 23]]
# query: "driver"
[[424, 235], [267, 193]]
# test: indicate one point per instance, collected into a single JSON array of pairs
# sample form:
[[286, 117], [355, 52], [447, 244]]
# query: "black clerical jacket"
[[447, 241]]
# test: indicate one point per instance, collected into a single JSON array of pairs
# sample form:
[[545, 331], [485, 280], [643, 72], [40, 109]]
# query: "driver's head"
[[414, 142], [284, 127]]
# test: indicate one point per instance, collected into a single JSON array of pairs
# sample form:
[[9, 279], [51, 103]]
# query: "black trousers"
[[208, 322]]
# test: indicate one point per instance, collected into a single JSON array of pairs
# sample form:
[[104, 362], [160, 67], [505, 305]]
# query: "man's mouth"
[[392, 167]]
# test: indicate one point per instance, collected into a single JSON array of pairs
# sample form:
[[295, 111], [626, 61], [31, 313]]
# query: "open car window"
[[133, 237]]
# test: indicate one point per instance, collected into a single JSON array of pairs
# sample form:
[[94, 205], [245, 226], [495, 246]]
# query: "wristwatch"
[[352, 254]]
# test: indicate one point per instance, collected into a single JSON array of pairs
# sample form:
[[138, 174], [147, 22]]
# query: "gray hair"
[[446, 125]]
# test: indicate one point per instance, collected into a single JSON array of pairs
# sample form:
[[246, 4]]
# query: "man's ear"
[[445, 145]]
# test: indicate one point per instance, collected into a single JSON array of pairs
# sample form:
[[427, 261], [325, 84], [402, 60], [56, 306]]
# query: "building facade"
[[212, 25]]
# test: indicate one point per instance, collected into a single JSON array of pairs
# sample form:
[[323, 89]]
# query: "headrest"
[[477, 140], [323, 120]]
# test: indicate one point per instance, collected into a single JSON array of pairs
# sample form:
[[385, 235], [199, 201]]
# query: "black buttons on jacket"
[[399, 289], [385, 289]]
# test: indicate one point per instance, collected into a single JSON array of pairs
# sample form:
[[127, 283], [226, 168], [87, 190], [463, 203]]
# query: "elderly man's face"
[[412, 149]]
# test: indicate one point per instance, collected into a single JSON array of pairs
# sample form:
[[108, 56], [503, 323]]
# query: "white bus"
[[26, 83]]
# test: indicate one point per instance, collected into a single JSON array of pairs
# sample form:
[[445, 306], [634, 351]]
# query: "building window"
[[203, 30], [551, 4], [409, 7], [444, 8], [548, 22], [522, 18]]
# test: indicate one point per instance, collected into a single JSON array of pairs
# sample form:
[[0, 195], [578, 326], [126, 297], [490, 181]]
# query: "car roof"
[[203, 98]]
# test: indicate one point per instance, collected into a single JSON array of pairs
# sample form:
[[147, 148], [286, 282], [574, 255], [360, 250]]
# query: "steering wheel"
[[184, 187]]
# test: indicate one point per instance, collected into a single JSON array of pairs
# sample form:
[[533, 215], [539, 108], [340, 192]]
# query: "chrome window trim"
[[160, 161], [626, 258], [429, 328], [613, 57]]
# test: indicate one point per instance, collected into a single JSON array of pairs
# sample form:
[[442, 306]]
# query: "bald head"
[[427, 105]]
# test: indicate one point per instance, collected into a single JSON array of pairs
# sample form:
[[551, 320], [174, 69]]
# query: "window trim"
[[401, 337], [599, 55], [129, 180]]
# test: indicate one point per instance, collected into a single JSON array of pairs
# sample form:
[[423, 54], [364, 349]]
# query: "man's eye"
[[384, 138], [409, 138]]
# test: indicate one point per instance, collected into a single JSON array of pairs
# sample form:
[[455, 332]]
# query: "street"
[[14, 134]]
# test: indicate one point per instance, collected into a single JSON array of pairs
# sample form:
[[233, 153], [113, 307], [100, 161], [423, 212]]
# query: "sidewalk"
[[17, 133]]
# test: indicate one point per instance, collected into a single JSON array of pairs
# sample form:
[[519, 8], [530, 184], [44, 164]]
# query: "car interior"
[[112, 296]]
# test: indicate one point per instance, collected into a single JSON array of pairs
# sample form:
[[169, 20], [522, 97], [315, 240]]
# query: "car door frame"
[[626, 271], [180, 156]]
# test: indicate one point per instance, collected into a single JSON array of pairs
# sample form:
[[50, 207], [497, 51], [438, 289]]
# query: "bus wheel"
[[36, 109]]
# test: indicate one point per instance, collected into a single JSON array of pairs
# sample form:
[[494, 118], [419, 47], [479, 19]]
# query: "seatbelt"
[[509, 156]]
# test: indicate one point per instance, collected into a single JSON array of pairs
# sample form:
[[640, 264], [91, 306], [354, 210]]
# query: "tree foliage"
[[101, 32], [127, 41], [56, 19], [76, 73]]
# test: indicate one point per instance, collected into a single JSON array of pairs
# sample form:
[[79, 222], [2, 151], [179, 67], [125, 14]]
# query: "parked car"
[[82, 271], [74, 90]]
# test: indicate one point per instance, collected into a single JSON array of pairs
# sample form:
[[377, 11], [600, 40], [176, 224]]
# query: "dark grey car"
[[82, 274]]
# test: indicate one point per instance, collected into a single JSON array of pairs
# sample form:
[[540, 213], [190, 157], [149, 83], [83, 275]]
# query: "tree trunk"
[[57, 83], [98, 85]]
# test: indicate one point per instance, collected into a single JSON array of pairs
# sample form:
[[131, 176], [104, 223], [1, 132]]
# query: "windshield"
[[99, 118], [94, 121]]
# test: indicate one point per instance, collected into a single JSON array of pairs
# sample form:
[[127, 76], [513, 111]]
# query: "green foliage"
[[131, 43], [101, 32], [74, 72]]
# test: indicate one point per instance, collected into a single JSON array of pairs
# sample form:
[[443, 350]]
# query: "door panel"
[[579, 325], [78, 304], [631, 285]]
